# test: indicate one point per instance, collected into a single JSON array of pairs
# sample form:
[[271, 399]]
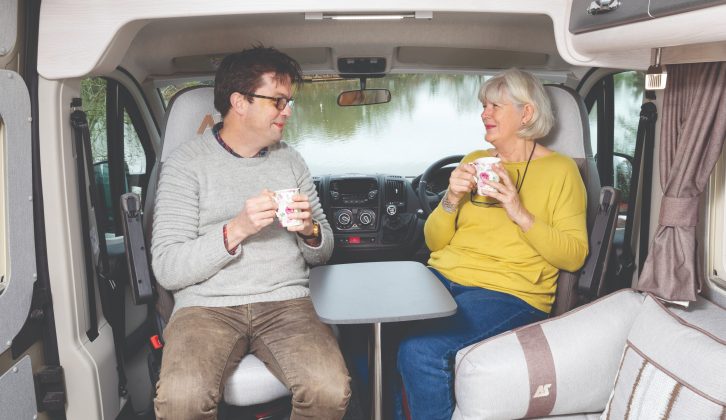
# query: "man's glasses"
[[280, 102], [493, 203]]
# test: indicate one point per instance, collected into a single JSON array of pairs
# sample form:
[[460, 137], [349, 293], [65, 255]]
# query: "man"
[[239, 280]]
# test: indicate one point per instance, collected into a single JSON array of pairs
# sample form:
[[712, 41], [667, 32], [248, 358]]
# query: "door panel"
[[17, 242], [8, 27], [17, 236], [18, 391]]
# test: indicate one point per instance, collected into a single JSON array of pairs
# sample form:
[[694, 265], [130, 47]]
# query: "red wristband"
[[226, 244]]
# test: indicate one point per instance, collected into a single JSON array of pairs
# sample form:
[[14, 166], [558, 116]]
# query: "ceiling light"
[[367, 16]]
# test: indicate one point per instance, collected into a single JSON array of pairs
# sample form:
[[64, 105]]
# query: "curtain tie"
[[678, 211]]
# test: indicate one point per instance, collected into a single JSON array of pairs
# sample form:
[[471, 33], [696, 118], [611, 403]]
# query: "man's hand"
[[301, 204], [461, 182], [258, 212]]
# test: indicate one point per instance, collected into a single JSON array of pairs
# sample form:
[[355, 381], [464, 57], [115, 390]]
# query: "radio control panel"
[[354, 203], [369, 213]]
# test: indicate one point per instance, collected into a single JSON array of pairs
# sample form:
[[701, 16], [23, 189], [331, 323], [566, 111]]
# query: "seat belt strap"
[[648, 156], [79, 125], [111, 294], [590, 283], [140, 276]]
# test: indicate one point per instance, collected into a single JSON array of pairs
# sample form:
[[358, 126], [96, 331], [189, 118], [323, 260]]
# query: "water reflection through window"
[[429, 117]]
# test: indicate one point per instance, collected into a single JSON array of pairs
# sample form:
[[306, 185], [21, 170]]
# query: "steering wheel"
[[428, 200]]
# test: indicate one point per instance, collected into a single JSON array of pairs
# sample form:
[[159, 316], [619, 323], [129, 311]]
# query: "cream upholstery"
[[502, 378], [493, 380]]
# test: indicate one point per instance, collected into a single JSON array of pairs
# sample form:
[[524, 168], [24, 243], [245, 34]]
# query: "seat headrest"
[[570, 135], [191, 111]]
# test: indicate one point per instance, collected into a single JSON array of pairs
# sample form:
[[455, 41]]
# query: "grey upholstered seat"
[[191, 112], [571, 137]]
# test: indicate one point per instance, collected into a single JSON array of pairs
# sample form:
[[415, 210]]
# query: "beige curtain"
[[692, 136]]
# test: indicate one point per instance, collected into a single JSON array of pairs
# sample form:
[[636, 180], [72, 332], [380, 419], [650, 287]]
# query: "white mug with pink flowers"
[[485, 172], [283, 199]]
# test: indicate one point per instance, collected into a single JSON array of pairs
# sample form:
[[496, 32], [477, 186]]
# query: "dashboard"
[[373, 217]]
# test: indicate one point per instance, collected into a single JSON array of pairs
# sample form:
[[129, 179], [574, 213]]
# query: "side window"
[[592, 117], [716, 229], [134, 158], [628, 97], [168, 91], [94, 96], [614, 113], [122, 156]]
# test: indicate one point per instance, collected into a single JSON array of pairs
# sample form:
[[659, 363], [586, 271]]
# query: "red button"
[[354, 239], [156, 343]]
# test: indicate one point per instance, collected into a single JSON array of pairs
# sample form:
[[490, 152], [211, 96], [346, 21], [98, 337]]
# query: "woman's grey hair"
[[522, 88]]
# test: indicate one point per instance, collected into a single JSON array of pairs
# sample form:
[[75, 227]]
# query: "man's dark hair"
[[242, 72]]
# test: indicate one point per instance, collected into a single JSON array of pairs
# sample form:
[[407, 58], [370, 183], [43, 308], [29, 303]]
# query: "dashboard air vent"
[[395, 191]]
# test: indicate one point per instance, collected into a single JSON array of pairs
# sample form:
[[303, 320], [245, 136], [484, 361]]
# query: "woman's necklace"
[[529, 159]]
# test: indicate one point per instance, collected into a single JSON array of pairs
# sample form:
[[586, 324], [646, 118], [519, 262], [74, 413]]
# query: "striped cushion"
[[671, 369]]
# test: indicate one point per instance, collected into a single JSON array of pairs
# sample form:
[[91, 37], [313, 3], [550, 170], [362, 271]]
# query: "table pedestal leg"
[[377, 382]]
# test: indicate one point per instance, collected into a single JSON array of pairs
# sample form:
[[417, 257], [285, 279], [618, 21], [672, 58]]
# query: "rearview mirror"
[[364, 97]]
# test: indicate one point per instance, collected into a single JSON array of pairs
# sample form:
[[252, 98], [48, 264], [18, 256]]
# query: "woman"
[[498, 255]]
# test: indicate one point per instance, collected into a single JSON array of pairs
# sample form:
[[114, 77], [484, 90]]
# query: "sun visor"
[[469, 58]]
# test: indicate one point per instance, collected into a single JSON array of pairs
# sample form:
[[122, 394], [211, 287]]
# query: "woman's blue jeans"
[[426, 353]]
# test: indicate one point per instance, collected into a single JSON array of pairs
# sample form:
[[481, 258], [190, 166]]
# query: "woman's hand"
[[506, 193], [461, 182]]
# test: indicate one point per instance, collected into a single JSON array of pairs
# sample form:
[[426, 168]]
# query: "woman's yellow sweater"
[[481, 246]]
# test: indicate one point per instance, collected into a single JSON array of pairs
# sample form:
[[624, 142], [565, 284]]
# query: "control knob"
[[344, 217], [366, 217]]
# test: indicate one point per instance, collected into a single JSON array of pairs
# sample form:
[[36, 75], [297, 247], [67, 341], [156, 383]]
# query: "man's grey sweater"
[[201, 187]]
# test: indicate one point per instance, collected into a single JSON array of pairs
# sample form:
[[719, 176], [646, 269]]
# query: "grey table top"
[[373, 292]]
